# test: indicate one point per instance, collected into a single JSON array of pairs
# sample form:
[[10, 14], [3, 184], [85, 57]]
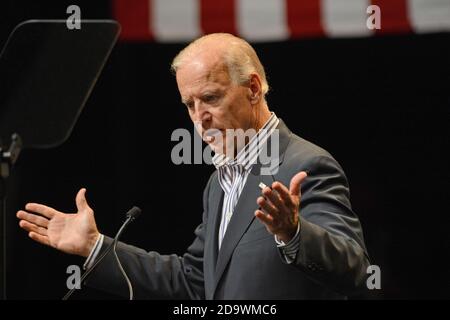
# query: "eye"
[[189, 104], [210, 98]]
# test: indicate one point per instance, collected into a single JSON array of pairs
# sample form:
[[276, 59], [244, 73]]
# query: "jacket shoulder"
[[300, 149]]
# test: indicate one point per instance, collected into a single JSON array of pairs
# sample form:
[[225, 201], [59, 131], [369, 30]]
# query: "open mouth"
[[211, 135], [208, 135]]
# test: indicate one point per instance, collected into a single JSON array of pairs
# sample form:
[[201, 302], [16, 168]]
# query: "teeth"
[[212, 134]]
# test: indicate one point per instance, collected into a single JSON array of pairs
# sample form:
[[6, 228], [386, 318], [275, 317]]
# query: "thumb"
[[294, 187], [80, 200]]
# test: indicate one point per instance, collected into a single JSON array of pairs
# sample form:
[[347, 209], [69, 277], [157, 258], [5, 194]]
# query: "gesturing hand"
[[280, 208], [74, 233]]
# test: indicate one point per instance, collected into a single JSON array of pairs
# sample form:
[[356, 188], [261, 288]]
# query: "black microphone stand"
[[7, 160], [131, 215]]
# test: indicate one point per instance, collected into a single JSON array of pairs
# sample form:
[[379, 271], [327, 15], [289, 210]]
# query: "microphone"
[[134, 213], [131, 215]]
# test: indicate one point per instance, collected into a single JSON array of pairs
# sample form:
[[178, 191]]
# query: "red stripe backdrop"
[[135, 18], [218, 16], [304, 18], [394, 16]]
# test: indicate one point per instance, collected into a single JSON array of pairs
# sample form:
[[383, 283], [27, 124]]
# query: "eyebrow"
[[207, 92], [184, 101], [210, 92]]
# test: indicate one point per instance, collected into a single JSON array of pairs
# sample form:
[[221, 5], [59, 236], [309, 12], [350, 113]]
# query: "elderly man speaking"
[[289, 234]]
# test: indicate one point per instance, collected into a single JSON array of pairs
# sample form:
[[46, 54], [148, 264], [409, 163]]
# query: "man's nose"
[[202, 114]]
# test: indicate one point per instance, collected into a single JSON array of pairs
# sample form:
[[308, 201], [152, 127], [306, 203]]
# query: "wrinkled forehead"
[[202, 70]]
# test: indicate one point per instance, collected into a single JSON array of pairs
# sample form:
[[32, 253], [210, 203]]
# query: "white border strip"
[[429, 15], [262, 20], [175, 20], [345, 18]]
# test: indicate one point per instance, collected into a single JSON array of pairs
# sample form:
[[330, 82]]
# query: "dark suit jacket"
[[331, 262]]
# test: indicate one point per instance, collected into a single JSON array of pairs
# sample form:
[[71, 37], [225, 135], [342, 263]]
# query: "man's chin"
[[222, 150], [216, 148]]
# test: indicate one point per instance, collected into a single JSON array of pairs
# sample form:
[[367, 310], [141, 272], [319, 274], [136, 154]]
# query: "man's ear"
[[255, 88]]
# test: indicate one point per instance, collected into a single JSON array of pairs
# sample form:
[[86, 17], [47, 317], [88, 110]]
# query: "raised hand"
[[280, 207], [74, 233]]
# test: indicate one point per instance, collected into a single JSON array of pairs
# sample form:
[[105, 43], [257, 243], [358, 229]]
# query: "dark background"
[[380, 105]]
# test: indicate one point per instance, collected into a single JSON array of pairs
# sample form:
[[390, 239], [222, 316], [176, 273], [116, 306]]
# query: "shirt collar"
[[248, 155]]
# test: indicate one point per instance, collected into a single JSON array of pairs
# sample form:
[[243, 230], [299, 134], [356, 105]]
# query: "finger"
[[81, 201], [267, 206], [284, 193], [39, 238], [264, 218], [41, 209], [294, 187], [31, 227], [274, 198], [37, 220]]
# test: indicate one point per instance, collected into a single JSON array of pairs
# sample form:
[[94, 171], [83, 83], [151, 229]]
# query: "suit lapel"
[[211, 241], [242, 217]]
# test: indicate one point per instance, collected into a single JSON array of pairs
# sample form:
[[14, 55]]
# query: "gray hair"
[[239, 56]]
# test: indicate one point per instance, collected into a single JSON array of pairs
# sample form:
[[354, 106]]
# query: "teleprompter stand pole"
[[7, 160]]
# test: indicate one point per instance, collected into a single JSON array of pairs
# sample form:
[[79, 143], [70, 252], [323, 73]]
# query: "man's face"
[[213, 101]]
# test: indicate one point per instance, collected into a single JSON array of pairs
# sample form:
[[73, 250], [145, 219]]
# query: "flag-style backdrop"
[[275, 20]]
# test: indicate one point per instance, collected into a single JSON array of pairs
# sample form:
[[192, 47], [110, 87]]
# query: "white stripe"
[[175, 20], [345, 18], [262, 20], [429, 15]]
